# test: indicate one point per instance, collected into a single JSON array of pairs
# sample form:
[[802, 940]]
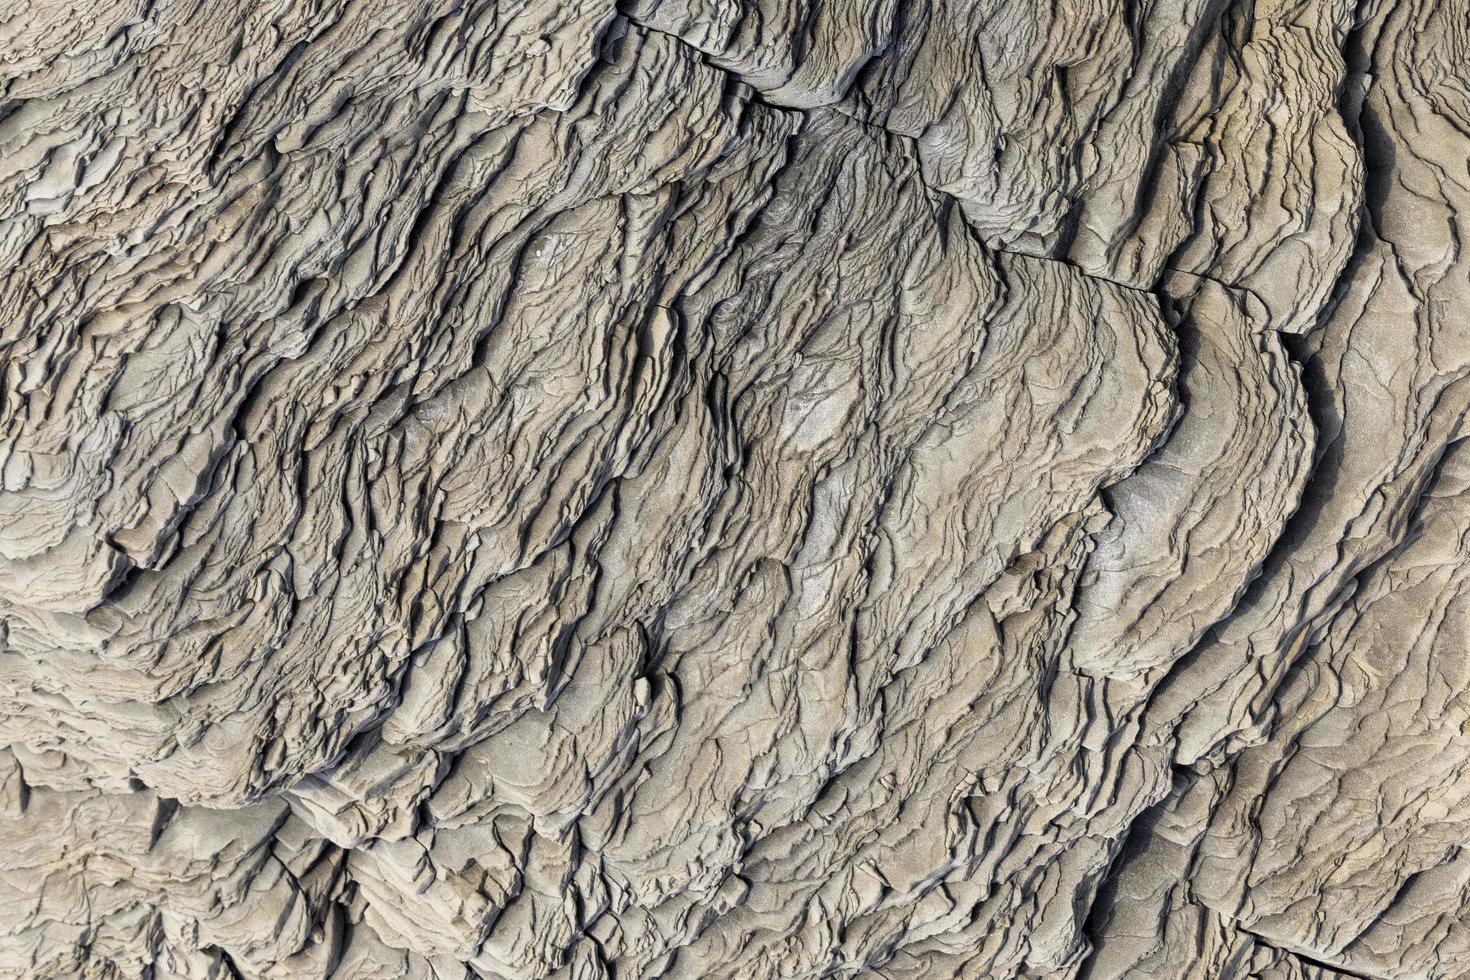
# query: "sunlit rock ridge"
[[703, 489]]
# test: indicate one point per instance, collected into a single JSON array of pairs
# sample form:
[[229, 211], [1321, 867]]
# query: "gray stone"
[[904, 489]]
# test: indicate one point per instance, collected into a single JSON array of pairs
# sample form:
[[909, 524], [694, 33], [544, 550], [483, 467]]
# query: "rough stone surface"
[[899, 489]]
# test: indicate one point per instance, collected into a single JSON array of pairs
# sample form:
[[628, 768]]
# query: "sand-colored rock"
[[734, 489]]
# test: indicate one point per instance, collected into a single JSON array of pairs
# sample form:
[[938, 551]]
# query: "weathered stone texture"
[[904, 489]]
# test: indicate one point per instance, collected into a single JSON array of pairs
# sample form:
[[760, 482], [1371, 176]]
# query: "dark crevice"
[[1310, 959]]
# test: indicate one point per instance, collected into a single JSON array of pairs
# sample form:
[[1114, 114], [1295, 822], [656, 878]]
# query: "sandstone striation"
[[903, 489]]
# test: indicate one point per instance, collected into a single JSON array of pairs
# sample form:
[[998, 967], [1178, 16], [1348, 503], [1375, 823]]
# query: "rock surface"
[[902, 489]]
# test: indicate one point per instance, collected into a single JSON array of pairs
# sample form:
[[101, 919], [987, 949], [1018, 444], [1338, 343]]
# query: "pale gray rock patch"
[[734, 489]]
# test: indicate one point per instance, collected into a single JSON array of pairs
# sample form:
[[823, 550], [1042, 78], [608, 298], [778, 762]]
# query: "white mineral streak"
[[900, 489]]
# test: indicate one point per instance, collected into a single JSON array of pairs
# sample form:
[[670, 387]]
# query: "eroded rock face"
[[734, 489]]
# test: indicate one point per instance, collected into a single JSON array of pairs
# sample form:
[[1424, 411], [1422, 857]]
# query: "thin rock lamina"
[[520, 489]]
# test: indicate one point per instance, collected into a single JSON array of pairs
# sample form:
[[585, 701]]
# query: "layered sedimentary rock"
[[734, 489]]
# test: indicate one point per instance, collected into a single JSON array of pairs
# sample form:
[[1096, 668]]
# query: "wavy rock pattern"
[[694, 489]]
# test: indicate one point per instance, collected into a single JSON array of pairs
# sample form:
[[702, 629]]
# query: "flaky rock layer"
[[734, 489]]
